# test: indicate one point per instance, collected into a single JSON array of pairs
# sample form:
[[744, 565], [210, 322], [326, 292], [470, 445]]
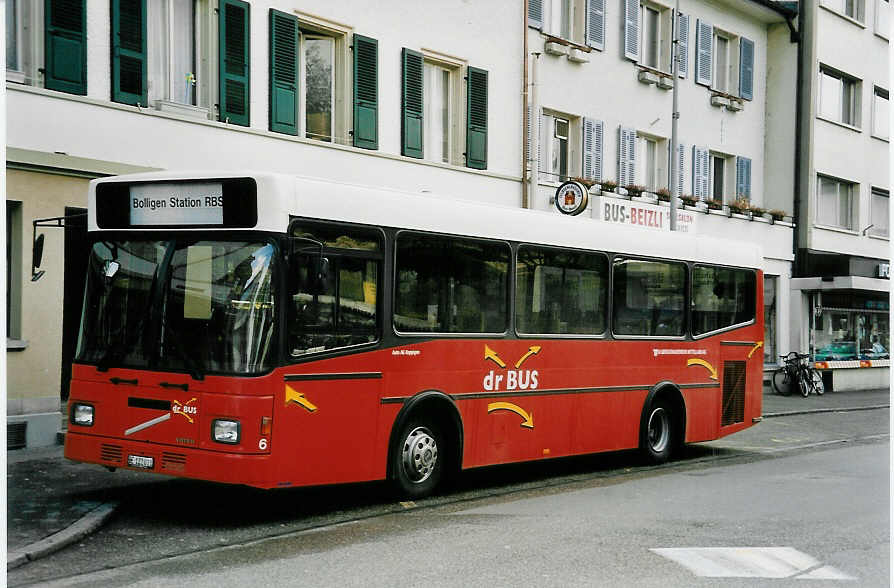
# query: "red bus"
[[277, 331]]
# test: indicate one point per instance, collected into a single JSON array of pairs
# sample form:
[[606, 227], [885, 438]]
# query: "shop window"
[[834, 202], [879, 212], [839, 97], [771, 354], [560, 292], [849, 327], [13, 269]]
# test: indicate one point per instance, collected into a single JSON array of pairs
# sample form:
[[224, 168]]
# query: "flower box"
[[553, 48], [735, 105], [719, 101], [665, 83], [578, 55], [647, 77]]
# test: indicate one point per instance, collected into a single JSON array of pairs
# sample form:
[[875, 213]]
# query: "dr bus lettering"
[[514, 380]]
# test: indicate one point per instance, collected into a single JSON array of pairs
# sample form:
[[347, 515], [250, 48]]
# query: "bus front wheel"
[[657, 436], [418, 460]]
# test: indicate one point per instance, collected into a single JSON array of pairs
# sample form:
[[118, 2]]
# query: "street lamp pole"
[[675, 116]]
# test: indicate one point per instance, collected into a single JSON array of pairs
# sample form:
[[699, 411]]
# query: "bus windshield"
[[199, 306]]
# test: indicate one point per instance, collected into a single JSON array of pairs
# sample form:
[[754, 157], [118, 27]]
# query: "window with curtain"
[[646, 170], [839, 97], [437, 88], [172, 51], [880, 113], [554, 135], [12, 35], [317, 101], [834, 202], [879, 212]]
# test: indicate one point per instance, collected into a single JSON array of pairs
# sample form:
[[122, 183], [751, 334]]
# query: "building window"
[[849, 8], [317, 100], [13, 269], [656, 37], [721, 177], [13, 36], [770, 289], [726, 61], [882, 16], [555, 149], [879, 212], [839, 97], [880, 114], [438, 124], [834, 202], [649, 161], [172, 52]]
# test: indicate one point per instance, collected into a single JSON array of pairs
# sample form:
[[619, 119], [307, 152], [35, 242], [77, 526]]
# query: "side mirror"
[[36, 257]]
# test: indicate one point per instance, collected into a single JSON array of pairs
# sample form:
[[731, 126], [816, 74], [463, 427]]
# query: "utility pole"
[[675, 116]]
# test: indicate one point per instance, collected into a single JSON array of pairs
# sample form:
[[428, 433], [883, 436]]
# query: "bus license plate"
[[140, 461]]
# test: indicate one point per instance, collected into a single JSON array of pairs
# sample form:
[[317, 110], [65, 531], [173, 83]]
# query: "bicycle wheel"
[[804, 384], [781, 382], [818, 386]]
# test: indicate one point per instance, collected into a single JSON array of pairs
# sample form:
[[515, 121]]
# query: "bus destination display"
[[176, 204]]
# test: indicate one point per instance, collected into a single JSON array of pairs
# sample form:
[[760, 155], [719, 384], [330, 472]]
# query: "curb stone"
[[821, 410], [74, 532]]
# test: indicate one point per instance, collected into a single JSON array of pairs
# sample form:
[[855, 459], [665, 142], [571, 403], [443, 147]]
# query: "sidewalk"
[[53, 502]]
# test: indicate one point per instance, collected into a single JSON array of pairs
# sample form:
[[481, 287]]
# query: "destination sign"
[[176, 204]]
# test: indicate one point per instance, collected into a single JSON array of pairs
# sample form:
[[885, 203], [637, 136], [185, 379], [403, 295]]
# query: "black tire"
[[658, 433], [417, 460], [781, 382], [819, 387], [804, 384]]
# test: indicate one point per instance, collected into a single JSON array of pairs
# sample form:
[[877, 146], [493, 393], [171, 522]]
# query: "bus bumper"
[[214, 466]]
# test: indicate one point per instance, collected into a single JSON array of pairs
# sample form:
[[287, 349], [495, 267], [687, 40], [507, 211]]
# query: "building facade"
[[600, 108], [841, 288]]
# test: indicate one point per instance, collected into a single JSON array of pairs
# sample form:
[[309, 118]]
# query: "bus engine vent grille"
[[173, 462], [16, 435], [111, 453], [733, 392]]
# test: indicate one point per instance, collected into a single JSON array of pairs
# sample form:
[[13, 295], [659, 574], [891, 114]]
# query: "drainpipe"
[[524, 166], [798, 37], [534, 178], [675, 117]]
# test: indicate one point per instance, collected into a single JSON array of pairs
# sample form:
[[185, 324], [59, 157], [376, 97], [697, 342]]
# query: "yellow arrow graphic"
[[492, 355], [757, 346], [532, 350], [529, 418], [298, 398], [704, 364]]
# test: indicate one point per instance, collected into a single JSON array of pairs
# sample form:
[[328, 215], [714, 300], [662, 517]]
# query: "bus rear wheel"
[[657, 437], [418, 462]]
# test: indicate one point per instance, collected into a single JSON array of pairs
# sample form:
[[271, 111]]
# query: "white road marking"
[[147, 424], [751, 562]]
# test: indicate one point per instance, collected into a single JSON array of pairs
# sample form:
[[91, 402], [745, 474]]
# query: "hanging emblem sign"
[[176, 204], [572, 198]]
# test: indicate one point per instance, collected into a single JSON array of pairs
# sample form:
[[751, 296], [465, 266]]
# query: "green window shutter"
[[411, 103], [366, 92], [476, 119], [283, 73], [129, 75], [233, 28], [66, 46]]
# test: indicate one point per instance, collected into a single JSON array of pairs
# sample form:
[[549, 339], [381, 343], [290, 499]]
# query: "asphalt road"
[[816, 484]]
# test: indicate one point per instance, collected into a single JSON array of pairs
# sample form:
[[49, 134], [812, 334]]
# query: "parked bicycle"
[[797, 374]]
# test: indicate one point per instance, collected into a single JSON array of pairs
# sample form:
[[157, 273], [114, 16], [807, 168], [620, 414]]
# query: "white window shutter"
[[596, 24], [631, 29], [743, 177], [535, 14], [701, 161], [592, 152], [543, 124], [529, 123], [681, 154], [704, 52], [683, 46], [626, 156], [746, 68]]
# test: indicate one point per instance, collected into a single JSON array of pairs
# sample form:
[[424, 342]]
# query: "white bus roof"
[[280, 196]]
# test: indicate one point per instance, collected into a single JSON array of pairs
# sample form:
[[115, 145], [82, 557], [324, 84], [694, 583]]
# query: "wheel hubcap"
[[419, 455], [659, 432]]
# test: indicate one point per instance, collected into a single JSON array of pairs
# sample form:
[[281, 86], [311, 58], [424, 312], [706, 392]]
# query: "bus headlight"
[[82, 414], [225, 431]]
